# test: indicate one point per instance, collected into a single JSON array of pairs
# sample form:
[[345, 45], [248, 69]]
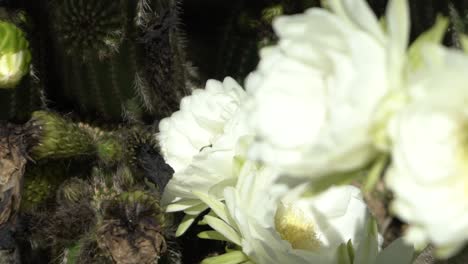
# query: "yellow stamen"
[[295, 228]]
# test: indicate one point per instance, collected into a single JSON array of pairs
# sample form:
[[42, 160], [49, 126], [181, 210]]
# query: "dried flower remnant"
[[131, 229]]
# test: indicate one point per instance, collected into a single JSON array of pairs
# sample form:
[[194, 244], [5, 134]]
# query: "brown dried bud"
[[131, 230]]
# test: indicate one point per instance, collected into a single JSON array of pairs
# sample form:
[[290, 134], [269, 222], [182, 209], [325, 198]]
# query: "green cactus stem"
[[119, 58], [56, 137]]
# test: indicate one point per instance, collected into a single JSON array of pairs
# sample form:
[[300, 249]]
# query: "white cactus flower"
[[199, 122], [203, 142], [316, 92], [272, 223], [429, 173]]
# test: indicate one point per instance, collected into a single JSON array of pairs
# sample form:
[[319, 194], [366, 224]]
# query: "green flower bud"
[[15, 56]]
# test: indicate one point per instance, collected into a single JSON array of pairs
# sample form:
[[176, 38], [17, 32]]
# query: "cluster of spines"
[[94, 28], [166, 69]]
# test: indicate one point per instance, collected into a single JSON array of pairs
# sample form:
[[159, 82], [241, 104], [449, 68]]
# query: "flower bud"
[[15, 56]]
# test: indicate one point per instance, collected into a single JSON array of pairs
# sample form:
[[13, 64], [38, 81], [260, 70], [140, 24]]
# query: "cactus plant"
[[130, 226], [58, 137], [119, 58], [131, 229], [41, 181]]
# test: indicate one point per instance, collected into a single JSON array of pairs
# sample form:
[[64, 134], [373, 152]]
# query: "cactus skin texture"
[[165, 67], [111, 149], [96, 57], [102, 22], [118, 58], [41, 182]]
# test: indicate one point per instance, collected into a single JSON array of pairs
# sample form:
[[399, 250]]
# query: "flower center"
[[294, 227]]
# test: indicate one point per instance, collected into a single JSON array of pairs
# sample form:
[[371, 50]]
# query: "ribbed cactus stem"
[[121, 58], [56, 137]]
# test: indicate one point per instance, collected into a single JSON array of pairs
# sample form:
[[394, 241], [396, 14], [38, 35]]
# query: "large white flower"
[[199, 122], [429, 174], [204, 142], [210, 172], [315, 93], [272, 223]]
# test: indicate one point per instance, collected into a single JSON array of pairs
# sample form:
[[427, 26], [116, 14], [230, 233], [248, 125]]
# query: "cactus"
[[94, 28], [131, 228], [58, 137], [41, 183], [54, 137], [130, 225], [60, 224], [119, 58], [110, 149]]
